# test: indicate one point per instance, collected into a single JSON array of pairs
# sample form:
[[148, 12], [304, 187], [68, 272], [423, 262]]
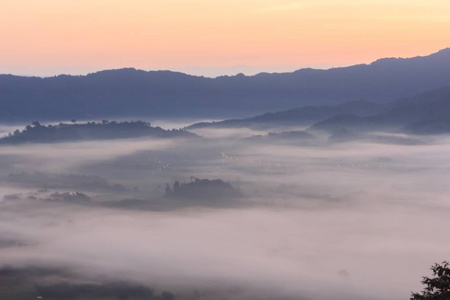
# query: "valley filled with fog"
[[225, 150], [229, 213]]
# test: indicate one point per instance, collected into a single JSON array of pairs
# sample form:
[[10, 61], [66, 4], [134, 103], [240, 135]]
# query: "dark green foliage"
[[437, 286]]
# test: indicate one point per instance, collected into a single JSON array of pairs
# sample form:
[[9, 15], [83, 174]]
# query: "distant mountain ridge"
[[136, 93], [425, 113], [301, 116]]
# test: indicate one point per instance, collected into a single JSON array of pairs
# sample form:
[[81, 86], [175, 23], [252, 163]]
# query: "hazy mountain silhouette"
[[130, 92], [302, 116], [427, 113]]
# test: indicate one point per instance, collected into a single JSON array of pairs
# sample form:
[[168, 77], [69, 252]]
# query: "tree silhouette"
[[438, 286], [176, 186]]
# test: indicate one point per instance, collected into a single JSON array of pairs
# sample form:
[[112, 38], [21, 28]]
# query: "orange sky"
[[213, 37]]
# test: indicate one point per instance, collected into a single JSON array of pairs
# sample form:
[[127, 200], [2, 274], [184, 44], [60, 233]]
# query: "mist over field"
[[227, 216]]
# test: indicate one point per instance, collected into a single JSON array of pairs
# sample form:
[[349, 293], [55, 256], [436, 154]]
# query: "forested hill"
[[66, 132]]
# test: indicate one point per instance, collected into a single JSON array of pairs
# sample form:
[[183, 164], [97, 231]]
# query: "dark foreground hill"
[[136, 93], [66, 132]]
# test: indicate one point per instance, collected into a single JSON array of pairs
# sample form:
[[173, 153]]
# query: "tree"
[[438, 286], [176, 185]]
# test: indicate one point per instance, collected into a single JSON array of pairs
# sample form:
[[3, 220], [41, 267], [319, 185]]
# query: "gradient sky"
[[212, 37]]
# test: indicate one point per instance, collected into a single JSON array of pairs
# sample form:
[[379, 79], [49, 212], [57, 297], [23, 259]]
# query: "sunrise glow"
[[213, 37]]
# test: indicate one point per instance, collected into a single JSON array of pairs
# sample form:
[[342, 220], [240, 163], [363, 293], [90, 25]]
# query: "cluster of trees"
[[207, 189], [437, 287]]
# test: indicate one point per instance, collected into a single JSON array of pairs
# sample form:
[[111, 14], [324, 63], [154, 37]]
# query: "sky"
[[214, 37]]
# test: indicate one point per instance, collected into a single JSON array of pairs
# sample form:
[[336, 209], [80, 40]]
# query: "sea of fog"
[[354, 220]]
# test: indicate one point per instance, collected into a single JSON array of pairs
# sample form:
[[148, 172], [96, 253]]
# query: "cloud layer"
[[357, 220]]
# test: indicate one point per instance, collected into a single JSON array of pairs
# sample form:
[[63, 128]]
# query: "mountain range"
[[163, 94], [301, 116], [426, 113]]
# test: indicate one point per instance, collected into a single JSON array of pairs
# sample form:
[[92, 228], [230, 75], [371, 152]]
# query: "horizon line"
[[173, 70]]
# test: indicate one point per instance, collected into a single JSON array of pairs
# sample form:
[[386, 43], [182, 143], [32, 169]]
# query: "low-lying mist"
[[361, 219]]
